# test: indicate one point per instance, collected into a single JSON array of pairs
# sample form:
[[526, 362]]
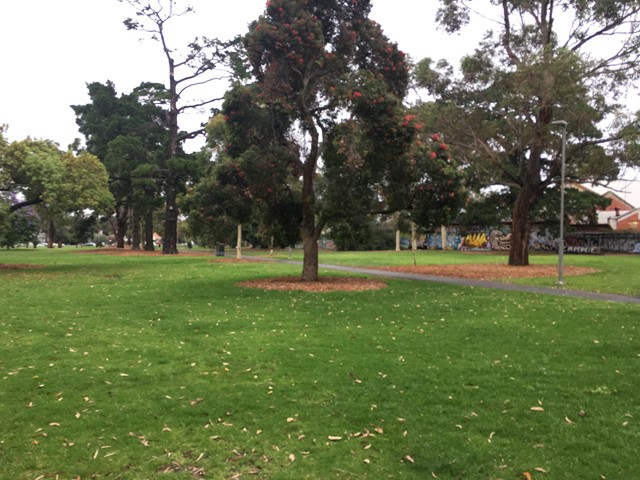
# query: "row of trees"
[[313, 132], [41, 185]]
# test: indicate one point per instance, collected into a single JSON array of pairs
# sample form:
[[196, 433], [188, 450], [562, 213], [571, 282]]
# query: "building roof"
[[625, 191]]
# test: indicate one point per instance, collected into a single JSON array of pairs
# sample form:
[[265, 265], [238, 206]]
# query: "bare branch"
[[198, 105], [506, 39], [196, 84]]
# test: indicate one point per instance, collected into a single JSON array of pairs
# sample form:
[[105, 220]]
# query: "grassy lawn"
[[160, 367]]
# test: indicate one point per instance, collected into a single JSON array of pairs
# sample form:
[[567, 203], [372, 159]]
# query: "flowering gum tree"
[[315, 64]]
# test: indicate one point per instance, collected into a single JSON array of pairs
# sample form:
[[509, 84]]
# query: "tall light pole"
[[562, 170]]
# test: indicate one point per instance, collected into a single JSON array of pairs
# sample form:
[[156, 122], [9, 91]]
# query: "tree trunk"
[[239, 243], [121, 226], [170, 238], [148, 231], [51, 234], [310, 261], [397, 240], [136, 239], [521, 229]]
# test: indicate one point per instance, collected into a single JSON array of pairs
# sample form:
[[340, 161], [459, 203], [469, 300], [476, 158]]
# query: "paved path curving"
[[560, 292]]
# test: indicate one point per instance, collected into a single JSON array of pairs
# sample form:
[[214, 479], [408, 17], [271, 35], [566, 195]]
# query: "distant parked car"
[[89, 244]]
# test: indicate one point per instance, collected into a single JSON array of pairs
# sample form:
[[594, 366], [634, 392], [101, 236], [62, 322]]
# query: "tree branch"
[[27, 203], [506, 39]]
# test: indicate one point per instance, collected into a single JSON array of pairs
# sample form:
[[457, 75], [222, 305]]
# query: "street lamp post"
[[562, 172]]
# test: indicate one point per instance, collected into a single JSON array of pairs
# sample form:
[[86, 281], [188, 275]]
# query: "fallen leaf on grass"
[[379, 430], [537, 409], [409, 458], [292, 458], [539, 469], [196, 401], [526, 475], [334, 438]]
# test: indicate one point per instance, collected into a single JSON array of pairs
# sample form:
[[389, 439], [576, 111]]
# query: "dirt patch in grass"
[[324, 284], [17, 266], [489, 271]]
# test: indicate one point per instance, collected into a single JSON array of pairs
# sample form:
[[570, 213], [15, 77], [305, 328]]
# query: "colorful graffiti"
[[540, 241], [453, 241], [497, 240]]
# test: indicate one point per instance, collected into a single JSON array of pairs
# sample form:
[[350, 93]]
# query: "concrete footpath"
[[560, 292]]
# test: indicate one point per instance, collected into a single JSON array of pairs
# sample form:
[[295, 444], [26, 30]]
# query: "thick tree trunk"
[[310, 261], [397, 240], [310, 230], [239, 243], [148, 232], [521, 229]]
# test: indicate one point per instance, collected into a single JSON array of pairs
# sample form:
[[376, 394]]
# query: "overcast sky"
[[52, 48]]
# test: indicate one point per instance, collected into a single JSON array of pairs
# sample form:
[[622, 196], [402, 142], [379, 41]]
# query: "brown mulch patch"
[[17, 266], [324, 284], [489, 271]]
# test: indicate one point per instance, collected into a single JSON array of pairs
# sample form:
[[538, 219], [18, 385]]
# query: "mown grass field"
[[161, 367]]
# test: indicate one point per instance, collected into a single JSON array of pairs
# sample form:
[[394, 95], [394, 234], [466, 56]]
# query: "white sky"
[[52, 48]]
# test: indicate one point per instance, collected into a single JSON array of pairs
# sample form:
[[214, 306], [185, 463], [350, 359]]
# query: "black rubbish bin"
[[220, 250]]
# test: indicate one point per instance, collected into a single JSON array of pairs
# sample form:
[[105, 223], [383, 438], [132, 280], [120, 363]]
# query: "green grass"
[[128, 367]]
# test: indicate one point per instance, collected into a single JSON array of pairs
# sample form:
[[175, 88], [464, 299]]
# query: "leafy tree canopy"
[[502, 111]]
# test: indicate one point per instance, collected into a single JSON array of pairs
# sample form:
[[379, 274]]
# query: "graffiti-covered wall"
[[540, 241], [603, 242]]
